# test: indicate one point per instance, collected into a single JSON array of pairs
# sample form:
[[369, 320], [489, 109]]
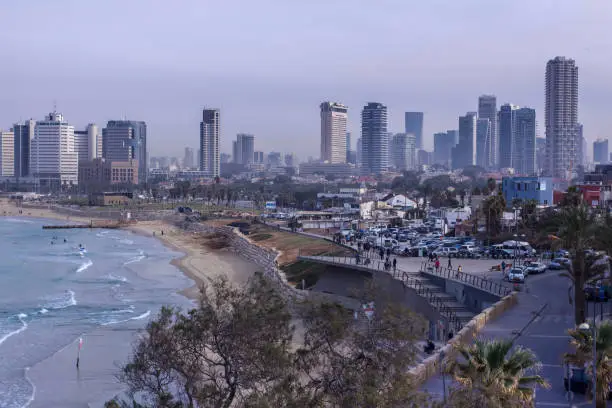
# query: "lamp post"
[[586, 327]]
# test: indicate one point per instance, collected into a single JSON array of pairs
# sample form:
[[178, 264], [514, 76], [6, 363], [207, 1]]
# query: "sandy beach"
[[199, 262]]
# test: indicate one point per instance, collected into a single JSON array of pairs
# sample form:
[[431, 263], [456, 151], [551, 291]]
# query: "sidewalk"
[[507, 326]]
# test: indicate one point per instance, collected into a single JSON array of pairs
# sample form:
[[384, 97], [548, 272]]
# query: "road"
[[546, 335]]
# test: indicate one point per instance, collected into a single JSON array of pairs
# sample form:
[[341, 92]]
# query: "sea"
[[52, 296]]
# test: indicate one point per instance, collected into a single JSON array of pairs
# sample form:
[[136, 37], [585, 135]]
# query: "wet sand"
[[200, 263]]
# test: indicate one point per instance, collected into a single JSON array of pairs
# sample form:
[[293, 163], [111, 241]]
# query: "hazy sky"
[[268, 64]]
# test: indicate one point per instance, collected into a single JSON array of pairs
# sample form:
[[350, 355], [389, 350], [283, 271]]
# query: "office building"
[[24, 133], [258, 157], [525, 189], [540, 154], [333, 132], [7, 154], [506, 121], [424, 157], [348, 147], [374, 139], [98, 173], [404, 153], [464, 153], [443, 146], [413, 123], [487, 109], [209, 142], [53, 160], [223, 157], [189, 158], [358, 153], [88, 143], [275, 159], [290, 160], [244, 148], [561, 117], [582, 150], [124, 141], [483, 141], [600, 151], [524, 148]]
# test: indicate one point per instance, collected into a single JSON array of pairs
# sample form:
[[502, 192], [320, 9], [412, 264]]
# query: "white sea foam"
[[61, 302], [140, 317], [126, 241], [19, 220], [116, 278], [24, 325], [84, 266], [31, 399], [136, 258], [43, 311]]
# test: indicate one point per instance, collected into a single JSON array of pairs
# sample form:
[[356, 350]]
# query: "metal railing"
[[408, 280], [473, 280]]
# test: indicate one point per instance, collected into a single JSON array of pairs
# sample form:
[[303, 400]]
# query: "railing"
[[434, 300], [473, 280], [408, 280]]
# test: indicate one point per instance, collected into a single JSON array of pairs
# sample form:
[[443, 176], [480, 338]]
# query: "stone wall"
[[431, 366], [265, 258]]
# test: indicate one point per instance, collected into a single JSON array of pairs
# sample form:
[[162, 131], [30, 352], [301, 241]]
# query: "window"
[[545, 202]]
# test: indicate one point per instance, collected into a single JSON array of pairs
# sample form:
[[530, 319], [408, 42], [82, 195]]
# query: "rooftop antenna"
[[54, 106]]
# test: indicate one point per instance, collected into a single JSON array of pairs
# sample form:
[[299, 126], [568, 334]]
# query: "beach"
[[52, 297], [200, 262]]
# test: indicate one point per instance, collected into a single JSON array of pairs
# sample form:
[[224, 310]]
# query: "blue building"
[[539, 189]]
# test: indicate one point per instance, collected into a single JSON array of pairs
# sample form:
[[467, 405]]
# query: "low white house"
[[401, 201]]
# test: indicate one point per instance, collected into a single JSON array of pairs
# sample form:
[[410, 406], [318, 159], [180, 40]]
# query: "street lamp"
[[587, 328]]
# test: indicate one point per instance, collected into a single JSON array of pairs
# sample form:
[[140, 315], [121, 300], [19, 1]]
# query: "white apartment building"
[[53, 159], [333, 132], [7, 154], [209, 142]]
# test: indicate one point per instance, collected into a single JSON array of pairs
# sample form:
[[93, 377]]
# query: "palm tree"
[[493, 209], [494, 374], [491, 184], [580, 230], [582, 340]]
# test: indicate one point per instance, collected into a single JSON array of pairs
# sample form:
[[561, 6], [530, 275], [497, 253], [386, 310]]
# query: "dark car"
[[498, 253]]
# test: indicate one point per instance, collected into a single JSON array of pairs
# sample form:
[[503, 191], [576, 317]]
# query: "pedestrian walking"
[[459, 269], [437, 264], [394, 264], [503, 268], [450, 264]]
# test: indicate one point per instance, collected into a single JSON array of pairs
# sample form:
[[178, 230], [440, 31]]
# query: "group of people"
[[436, 261], [389, 263]]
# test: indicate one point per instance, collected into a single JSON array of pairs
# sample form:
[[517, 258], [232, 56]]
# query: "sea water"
[[51, 295]]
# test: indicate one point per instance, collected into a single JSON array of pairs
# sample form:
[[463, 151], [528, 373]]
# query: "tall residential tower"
[[374, 139], [209, 142], [487, 109], [561, 117]]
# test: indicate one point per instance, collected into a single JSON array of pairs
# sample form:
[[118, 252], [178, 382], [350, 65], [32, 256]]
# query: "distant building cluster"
[[51, 154]]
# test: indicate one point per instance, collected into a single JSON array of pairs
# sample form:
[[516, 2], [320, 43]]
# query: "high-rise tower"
[[561, 117], [333, 132], [209, 142]]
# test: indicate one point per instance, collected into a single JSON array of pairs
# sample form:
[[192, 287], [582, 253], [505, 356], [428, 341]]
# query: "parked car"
[[498, 253], [451, 252], [559, 263], [516, 275], [533, 268]]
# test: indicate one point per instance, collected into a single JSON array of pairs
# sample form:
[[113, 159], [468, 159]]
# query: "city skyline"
[[168, 95]]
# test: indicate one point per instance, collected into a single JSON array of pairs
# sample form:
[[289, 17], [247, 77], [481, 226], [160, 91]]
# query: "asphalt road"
[[546, 335]]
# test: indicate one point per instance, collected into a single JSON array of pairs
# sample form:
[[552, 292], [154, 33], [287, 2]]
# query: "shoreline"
[[197, 262]]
